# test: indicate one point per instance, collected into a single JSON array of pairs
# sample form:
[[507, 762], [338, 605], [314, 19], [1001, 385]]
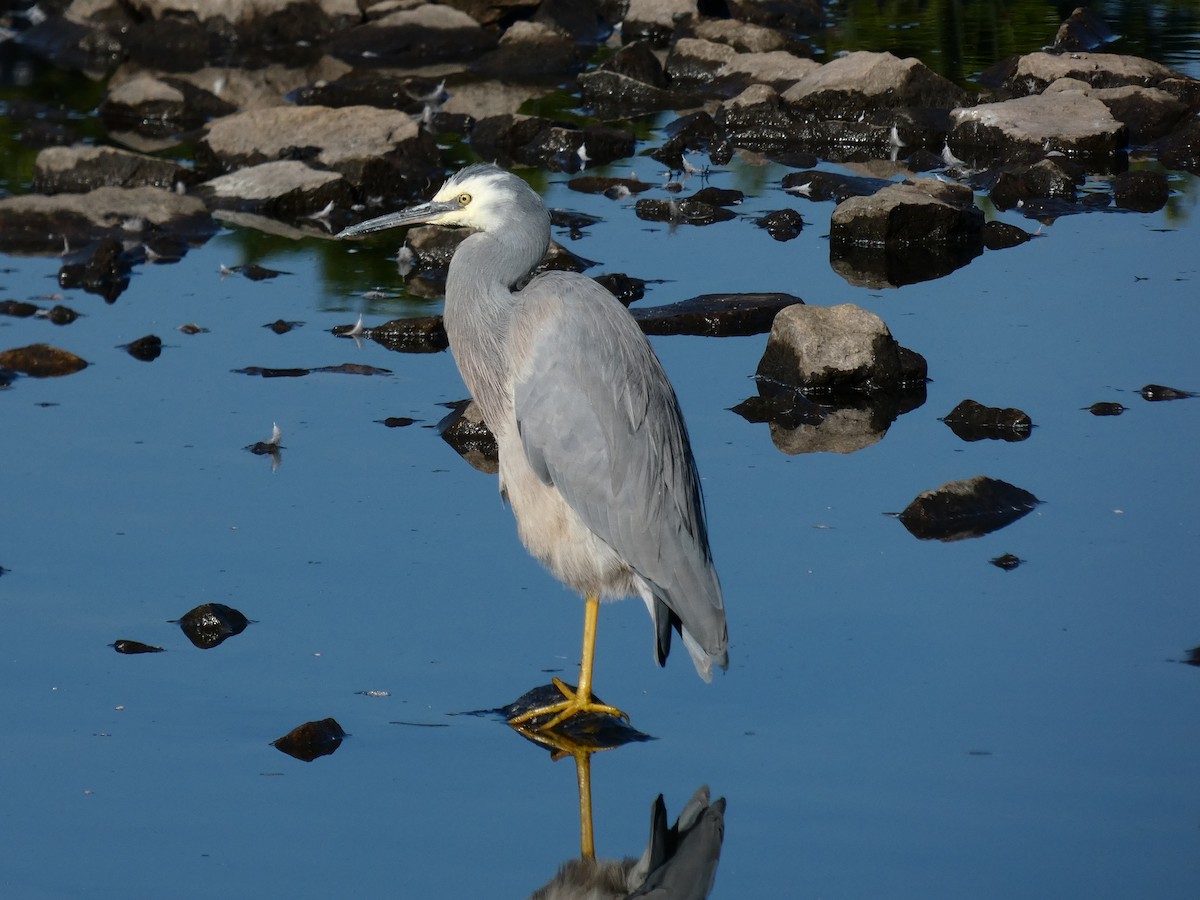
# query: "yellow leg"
[[583, 774], [579, 700]]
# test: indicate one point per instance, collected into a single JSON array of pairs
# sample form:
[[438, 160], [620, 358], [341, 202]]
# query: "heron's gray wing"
[[598, 419]]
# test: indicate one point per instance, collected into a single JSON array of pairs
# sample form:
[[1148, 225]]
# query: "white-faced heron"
[[594, 455]]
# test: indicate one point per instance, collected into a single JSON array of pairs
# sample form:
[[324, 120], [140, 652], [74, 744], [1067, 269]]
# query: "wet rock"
[[1106, 409], [282, 326], [1082, 30], [1142, 191], [1181, 148], [715, 315], [132, 647], [282, 189], [464, 430], [863, 82], [426, 34], [837, 348], [269, 447], [688, 211], [1055, 177], [17, 309], [1071, 123], [417, 334], [614, 94], [972, 421], [81, 168], [721, 71], [269, 372], [35, 223], [966, 509], [1152, 392], [1033, 73], [147, 348], [311, 740], [921, 212], [381, 153], [694, 132], [1193, 657], [534, 141], [782, 224], [102, 269], [41, 361], [818, 185], [1001, 235], [407, 93], [397, 422], [192, 328], [1006, 561], [255, 272], [529, 51], [613, 188], [588, 731], [211, 624], [624, 287]]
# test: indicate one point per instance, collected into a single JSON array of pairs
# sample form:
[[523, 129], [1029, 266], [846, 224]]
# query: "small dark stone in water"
[[682, 212], [264, 448], [312, 739], [273, 373], [398, 421], [1001, 235], [1106, 409], [353, 369], [966, 509], [623, 287], [419, 334], [147, 349], [210, 624], [1193, 657], [1159, 392], [41, 361], [597, 184], [62, 315], [718, 196], [192, 328], [259, 273], [1007, 562], [782, 224], [124, 646], [279, 326], [972, 421], [17, 308]]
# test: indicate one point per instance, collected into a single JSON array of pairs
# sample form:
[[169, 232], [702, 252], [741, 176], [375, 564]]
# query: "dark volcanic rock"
[[837, 348], [966, 509], [972, 421], [716, 315]]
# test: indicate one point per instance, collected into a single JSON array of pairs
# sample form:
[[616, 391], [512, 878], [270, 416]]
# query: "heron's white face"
[[475, 199]]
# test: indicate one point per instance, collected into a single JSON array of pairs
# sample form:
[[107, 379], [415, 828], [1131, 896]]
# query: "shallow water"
[[900, 718]]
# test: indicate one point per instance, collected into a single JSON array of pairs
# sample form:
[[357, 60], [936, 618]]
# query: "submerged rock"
[[311, 740], [41, 361], [1006, 561], [715, 315], [837, 348], [1155, 392], [147, 348], [972, 421], [966, 509], [134, 647], [211, 624], [1106, 409]]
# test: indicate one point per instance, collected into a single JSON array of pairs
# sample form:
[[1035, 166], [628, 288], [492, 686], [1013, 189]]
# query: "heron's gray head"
[[481, 196]]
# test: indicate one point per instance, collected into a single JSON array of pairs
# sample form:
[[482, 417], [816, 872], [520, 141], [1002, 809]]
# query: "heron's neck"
[[478, 314]]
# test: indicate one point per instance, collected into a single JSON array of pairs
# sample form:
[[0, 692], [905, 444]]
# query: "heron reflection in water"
[[594, 455]]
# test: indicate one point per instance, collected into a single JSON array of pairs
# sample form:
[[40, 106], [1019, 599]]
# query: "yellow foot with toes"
[[574, 703]]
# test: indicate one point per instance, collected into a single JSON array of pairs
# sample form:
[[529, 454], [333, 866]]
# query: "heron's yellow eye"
[[464, 199]]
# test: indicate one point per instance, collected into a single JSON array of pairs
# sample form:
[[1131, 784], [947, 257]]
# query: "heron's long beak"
[[413, 215]]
